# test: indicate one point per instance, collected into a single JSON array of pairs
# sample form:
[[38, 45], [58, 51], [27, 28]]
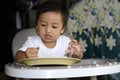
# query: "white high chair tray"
[[84, 68], [49, 61]]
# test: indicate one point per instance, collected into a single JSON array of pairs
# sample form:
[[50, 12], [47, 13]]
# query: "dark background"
[[7, 31], [8, 28]]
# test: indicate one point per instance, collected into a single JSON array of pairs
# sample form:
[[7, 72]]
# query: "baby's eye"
[[43, 24], [54, 27]]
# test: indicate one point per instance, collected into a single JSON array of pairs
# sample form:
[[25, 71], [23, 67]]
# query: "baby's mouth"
[[47, 36]]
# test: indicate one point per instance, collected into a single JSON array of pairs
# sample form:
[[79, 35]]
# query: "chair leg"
[[21, 79], [17, 79], [93, 78]]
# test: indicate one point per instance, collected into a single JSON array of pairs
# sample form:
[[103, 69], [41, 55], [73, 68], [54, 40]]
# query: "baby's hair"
[[53, 5]]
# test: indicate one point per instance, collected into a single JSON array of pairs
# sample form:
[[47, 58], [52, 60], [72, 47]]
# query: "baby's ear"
[[37, 29], [62, 31]]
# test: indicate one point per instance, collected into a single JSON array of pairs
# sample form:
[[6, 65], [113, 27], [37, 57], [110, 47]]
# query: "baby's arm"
[[29, 53], [20, 55]]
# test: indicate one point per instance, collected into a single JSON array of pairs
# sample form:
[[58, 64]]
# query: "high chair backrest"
[[21, 37]]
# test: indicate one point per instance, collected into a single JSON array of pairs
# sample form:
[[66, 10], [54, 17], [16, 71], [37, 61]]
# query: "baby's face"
[[50, 26]]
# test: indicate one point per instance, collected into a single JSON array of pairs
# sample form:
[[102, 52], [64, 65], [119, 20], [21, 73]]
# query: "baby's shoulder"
[[64, 37], [33, 37]]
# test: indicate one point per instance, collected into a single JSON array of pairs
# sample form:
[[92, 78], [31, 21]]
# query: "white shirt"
[[57, 51]]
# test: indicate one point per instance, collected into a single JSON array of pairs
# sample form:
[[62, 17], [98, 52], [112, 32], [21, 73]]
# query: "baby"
[[51, 21]]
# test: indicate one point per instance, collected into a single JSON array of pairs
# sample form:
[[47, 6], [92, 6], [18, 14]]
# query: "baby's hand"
[[75, 49], [32, 52]]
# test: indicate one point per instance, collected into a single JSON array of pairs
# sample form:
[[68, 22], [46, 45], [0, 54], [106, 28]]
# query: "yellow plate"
[[49, 61]]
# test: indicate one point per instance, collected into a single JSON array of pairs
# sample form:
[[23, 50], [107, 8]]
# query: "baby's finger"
[[81, 45], [84, 50]]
